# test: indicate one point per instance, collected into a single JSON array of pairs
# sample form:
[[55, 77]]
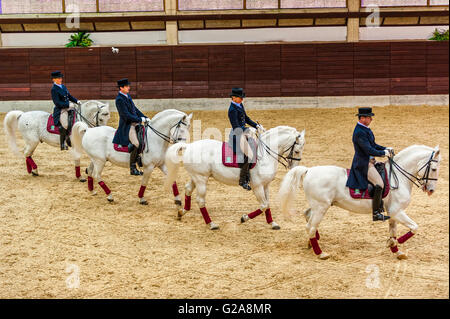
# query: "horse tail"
[[76, 137], [174, 157], [289, 186], [10, 124]]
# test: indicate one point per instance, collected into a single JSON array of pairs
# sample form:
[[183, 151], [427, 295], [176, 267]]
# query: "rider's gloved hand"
[[260, 128], [145, 120], [390, 149], [79, 102], [387, 152]]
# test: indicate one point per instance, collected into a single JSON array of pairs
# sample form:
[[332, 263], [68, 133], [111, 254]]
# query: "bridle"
[[419, 182], [96, 115], [280, 158], [169, 139]]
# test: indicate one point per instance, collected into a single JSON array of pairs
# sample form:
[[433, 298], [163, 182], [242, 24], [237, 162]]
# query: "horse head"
[[95, 113]]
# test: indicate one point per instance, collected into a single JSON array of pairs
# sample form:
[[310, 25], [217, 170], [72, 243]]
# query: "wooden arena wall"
[[209, 71]]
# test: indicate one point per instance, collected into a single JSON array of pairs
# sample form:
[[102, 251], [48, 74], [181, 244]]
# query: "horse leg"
[[404, 219], [201, 194], [267, 212], [30, 146], [189, 189], [316, 216], [97, 175], [89, 171], [392, 242], [261, 197], [76, 158], [147, 172], [176, 193]]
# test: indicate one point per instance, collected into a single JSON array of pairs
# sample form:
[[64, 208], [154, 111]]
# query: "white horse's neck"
[[279, 139], [413, 157]]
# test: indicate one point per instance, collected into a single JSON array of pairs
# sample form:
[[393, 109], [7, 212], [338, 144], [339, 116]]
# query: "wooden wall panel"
[[154, 72], [298, 70], [262, 70], [226, 69], [190, 72], [371, 68], [14, 74], [117, 66], [333, 69]]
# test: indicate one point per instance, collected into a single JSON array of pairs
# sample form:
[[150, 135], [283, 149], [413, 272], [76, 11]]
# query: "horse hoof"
[[309, 246], [93, 193], [244, 218], [34, 173], [143, 202], [324, 256], [83, 180], [213, 226], [275, 226], [110, 198], [401, 256]]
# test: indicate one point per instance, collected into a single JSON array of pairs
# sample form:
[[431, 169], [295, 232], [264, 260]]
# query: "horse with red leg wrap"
[[165, 128], [325, 186], [203, 159], [36, 127]]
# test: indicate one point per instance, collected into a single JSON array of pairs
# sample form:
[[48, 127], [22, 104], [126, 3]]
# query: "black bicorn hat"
[[365, 111], [123, 82], [238, 92], [57, 75]]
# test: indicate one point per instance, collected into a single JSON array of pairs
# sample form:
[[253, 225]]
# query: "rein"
[[86, 120], [279, 157], [168, 139], [419, 182]]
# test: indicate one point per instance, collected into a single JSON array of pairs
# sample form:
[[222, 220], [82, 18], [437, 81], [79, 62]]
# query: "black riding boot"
[[133, 159], [376, 204], [244, 178], [62, 138]]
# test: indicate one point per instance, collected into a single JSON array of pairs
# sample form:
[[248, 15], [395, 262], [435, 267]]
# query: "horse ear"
[[437, 151], [302, 134], [190, 116]]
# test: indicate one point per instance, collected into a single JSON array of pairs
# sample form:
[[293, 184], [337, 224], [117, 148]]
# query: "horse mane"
[[412, 148], [165, 113], [281, 128]]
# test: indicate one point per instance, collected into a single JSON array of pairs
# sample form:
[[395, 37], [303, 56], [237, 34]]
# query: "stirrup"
[[379, 217], [245, 186], [135, 171]]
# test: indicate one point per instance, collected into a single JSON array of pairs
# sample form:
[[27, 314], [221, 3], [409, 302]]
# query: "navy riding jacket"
[[365, 146], [61, 98], [238, 119], [128, 113]]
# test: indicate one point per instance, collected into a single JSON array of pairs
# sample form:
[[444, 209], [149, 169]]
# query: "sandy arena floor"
[[50, 227]]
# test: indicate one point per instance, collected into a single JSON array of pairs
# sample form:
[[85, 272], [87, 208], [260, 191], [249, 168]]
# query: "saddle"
[[53, 129], [141, 131], [229, 158], [368, 193]]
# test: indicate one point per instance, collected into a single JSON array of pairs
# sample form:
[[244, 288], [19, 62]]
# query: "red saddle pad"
[[358, 194], [51, 127], [229, 158], [120, 148]]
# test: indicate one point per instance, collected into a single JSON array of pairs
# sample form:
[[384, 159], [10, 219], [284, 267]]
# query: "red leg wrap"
[[405, 237], [187, 202], [315, 246], [90, 183], [77, 171], [105, 188], [32, 163], [255, 213], [205, 215], [317, 235], [394, 249], [29, 169], [142, 191], [175, 189], [268, 216]]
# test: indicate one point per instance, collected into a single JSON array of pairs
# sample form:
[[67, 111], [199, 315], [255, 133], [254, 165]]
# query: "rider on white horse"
[[240, 134], [61, 98], [363, 169], [130, 119]]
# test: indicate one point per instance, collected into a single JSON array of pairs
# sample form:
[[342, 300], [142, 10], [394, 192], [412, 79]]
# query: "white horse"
[[324, 186], [33, 127], [166, 127], [203, 159]]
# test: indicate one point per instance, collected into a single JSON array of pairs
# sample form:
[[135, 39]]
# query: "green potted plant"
[[439, 35], [80, 39]]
